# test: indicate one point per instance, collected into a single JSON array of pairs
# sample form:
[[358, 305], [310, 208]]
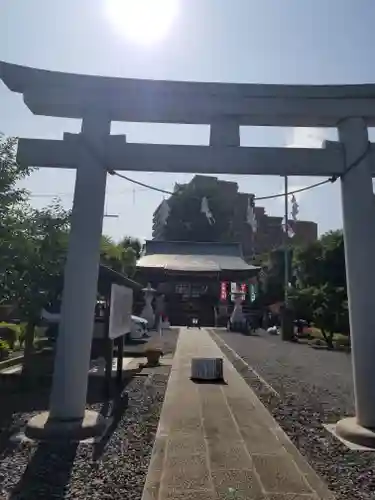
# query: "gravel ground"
[[315, 387], [113, 469]]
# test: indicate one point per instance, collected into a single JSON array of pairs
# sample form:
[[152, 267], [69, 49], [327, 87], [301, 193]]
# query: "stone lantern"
[[148, 312], [237, 319]]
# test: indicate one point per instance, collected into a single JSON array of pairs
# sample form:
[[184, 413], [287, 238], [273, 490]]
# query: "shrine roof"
[[194, 257]]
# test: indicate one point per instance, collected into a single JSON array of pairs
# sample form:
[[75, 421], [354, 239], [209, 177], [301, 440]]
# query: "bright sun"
[[143, 21]]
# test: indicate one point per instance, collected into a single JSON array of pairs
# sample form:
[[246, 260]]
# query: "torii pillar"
[[67, 416], [359, 233]]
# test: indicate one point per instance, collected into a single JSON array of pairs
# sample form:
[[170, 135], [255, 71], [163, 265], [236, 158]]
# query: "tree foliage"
[[325, 306], [134, 243], [322, 262], [10, 174], [37, 257], [186, 222], [12, 206], [320, 295], [32, 265], [121, 257], [33, 247], [274, 281]]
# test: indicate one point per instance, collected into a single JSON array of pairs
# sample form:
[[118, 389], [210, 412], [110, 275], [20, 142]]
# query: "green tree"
[[10, 174], [33, 246], [121, 257], [273, 265], [35, 260], [321, 294], [325, 306], [12, 206], [186, 222], [134, 243], [322, 262]]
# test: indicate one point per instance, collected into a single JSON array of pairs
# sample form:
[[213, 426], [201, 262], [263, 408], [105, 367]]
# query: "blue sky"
[[264, 41]]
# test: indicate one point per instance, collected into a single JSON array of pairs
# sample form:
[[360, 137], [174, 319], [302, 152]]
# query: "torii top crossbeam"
[[59, 94], [225, 107]]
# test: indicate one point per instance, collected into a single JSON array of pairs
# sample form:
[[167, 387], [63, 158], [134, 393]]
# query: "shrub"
[[342, 343], [8, 334], [343, 340], [15, 327], [318, 343], [4, 349]]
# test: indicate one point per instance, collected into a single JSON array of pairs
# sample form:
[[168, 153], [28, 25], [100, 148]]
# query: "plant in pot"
[[153, 355]]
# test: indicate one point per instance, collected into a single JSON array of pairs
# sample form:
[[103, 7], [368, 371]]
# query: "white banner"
[[120, 311]]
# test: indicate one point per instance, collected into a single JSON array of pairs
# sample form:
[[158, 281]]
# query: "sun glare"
[[142, 21]]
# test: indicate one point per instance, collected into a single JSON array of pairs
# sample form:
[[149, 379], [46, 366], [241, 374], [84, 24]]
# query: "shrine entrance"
[[224, 107], [190, 275]]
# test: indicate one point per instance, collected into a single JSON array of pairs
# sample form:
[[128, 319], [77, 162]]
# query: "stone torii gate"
[[224, 107]]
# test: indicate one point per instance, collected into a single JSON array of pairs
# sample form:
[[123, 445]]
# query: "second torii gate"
[[225, 107]]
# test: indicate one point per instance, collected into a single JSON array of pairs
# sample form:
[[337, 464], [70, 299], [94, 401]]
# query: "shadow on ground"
[[48, 472], [19, 402], [114, 410]]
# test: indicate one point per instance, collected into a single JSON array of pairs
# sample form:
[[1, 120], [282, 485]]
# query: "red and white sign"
[[223, 291]]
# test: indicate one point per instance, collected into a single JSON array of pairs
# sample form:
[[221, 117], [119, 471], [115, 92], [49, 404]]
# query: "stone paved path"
[[219, 442]]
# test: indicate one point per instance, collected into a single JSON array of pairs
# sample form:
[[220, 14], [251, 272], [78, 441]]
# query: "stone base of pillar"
[[44, 428], [349, 430]]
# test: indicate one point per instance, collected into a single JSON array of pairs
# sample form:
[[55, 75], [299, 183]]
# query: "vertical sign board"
[[120, 311], [223, 291]]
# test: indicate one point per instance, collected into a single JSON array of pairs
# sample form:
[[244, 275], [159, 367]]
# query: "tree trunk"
[[328, 337], [29, 347]]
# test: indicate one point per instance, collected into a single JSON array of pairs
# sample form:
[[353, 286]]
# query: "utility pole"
[[287, 319], [286, 249]]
